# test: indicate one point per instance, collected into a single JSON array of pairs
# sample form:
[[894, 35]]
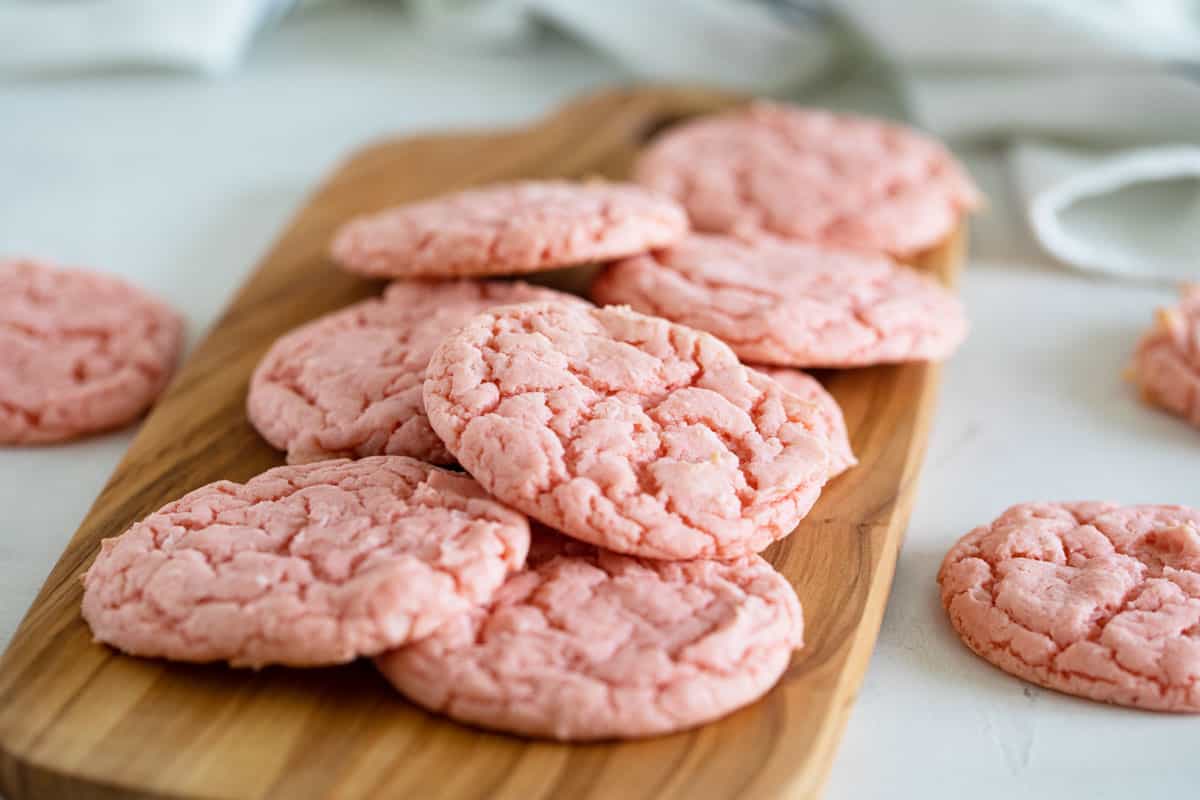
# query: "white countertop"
[[180, 184]]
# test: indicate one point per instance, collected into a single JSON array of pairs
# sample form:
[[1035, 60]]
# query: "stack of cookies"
[[594, 570]]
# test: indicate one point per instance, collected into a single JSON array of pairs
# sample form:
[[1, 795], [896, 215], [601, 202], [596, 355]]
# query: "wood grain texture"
[[77, 720]]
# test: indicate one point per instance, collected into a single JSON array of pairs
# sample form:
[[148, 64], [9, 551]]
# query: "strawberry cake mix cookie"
[[304, 565], [349, 383], [790, 303], [626, 431], [812, 175], [587, 644], [510, 228], [1166, 365], [80, 352], [1091, 599], [829, 414]]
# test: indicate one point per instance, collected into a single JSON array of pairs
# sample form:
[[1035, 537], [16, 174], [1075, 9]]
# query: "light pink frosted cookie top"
[[508, 229], [1166, 365], [792, 304], [349, 383], [831, 423], [1091, 599], [588, 644], [626, 431], [80, 352], [303, 565], [811, 175]]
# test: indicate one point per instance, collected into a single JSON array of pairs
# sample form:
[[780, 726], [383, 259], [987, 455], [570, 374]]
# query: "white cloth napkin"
[[1133, 213], [1099, 100], [1095, 100], [209, 36]]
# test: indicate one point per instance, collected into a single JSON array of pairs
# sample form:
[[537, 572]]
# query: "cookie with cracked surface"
[[80, 352], [626, 431], [792, 304], [304, 565], [349, 383], [829, 414], [587, 644], [512, 228], [1091, 599], [811, 175], [1166, 365]]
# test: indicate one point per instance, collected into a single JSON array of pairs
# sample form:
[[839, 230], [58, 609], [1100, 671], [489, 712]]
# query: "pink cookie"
[[1167, 363], [304, 565], [626, 431], [80, 352], [1091, 599], [792, 304], [349, 383], [831, 422], [510, 228], [588, 644], [811, 175]]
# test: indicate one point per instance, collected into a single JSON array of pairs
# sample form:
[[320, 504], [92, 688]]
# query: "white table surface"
[[180, 183]]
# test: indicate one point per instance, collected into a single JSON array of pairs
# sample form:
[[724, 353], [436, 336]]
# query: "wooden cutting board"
[[78, 720]]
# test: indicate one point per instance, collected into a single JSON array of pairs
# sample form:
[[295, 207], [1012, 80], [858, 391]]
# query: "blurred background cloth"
[[1098, 101]]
